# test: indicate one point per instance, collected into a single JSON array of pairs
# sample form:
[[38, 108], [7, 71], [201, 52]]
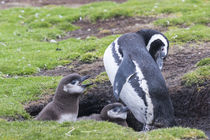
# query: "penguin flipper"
[[124, 72]]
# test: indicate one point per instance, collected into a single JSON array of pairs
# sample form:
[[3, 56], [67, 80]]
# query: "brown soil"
[[117, 25], [92, 69], [182, 59]]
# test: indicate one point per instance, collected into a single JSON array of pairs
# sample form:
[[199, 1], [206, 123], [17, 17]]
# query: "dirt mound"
[[34, 107], [182, 59], [92, 69]]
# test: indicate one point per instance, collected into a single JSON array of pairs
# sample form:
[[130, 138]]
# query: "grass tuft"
[[203, 62], [199, 75]]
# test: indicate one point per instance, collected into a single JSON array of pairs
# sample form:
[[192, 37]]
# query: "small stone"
[[60, 16], [37, 15], [20, 16], [53, 41]]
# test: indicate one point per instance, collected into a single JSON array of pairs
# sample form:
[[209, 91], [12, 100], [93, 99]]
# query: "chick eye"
[[162, 49], [73, 82], [114, 109]]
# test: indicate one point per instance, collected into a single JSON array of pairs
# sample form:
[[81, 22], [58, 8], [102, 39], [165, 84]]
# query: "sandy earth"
[[191, 105]]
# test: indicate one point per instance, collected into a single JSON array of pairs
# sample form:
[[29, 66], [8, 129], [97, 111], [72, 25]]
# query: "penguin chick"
[[115, 113], [65, 104]]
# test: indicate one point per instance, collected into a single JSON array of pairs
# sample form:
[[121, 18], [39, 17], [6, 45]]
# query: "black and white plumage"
[[157, 45], [133, 62]]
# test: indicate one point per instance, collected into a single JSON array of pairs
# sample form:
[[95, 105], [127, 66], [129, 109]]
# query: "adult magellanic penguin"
[[65, 104], [133, 62]]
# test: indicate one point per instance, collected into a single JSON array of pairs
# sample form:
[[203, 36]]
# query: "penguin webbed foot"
[[147, 127]]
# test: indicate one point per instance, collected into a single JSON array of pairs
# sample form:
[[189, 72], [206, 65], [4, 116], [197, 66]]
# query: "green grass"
[[199, 75], [26, 32], [26, 47], [204, 62], [101, 77], [43, 55], [183, 35], [88, 130], [14, 92]]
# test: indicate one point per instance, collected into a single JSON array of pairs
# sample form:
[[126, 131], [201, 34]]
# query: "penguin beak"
[[83, 79], [124, 109], [159, 61]]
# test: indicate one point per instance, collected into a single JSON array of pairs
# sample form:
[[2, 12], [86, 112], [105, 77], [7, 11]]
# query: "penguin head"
[[115, 111], [157, 45], [72, 84]]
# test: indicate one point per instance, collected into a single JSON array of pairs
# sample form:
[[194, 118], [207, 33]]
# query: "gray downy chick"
[[116, 113], [65, 104]]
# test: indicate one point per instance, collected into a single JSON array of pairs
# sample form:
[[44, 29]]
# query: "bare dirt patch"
[[182, 59], [117, 25], [92, 69]]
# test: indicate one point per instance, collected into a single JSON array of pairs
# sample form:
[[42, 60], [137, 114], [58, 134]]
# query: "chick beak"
[[124, 109], [83, 79]]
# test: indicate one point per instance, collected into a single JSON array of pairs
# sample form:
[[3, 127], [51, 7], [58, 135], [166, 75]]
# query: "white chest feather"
[[68, 117], [133, 102], [110, 65]]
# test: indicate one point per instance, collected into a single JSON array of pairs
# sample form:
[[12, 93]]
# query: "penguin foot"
[[147, 127]]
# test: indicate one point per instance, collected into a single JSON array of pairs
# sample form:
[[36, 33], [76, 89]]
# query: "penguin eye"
[[73, 82], [162, 49], [114, 109]]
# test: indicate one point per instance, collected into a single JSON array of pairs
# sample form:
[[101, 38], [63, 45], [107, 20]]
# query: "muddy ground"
[[191, 104]]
